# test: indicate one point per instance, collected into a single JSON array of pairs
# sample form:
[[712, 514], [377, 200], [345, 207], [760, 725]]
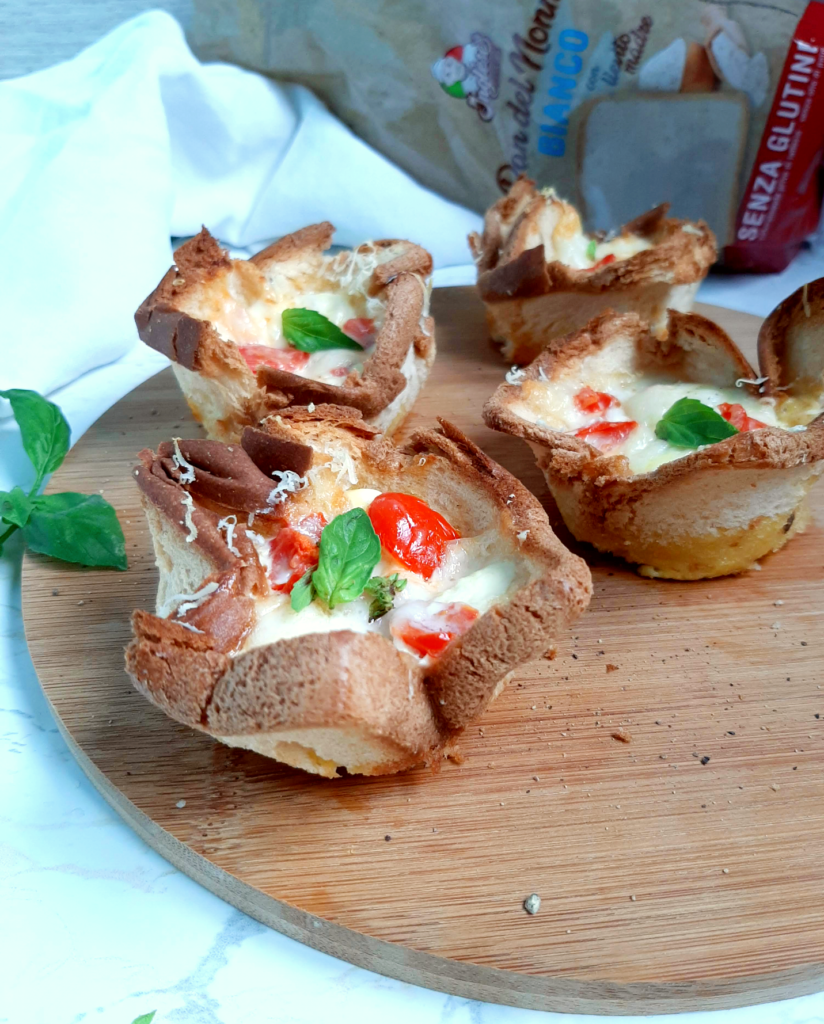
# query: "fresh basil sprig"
[[310, 331], [72, 527], [15, 507], [382, 590], [591, 249], [43, 428], [349, 551], [690, 424], [145, 1018]]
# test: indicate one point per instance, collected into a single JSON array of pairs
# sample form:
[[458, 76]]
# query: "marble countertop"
[[97, 927]]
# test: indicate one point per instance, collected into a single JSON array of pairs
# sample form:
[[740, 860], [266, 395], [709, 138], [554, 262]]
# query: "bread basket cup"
[[327, 689], [220, 322], [681, 513], [540, 277]]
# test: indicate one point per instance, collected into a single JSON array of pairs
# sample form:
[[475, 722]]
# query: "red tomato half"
[[294, 552], [290, 359], [438, 631], [360, 329], [604, 435], [590, 401], [410, 530], [737, 415]]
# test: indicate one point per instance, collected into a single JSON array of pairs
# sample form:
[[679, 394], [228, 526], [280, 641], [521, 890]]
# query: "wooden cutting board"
[[680, 870]]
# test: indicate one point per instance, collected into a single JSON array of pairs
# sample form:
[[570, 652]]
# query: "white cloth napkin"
[[106, 156]]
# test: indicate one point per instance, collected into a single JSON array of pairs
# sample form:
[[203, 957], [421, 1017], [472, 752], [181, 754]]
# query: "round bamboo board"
[[679, 870]]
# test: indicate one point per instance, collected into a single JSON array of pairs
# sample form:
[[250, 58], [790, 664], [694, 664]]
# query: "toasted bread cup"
[[677, 512], [219, 321], [327, 690], [540, 277]]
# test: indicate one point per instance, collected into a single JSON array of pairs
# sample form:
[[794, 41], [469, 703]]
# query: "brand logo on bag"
[[472, 73]]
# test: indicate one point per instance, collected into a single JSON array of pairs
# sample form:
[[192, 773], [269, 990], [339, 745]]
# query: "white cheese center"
[[564, 239], [338, 289], [470, 574], [642, 398]]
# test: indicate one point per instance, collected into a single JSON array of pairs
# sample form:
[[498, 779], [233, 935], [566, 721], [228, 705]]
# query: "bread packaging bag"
[[617, 104]]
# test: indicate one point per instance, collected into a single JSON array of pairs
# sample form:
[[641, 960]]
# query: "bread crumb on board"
[[532, 904], [622, 735]]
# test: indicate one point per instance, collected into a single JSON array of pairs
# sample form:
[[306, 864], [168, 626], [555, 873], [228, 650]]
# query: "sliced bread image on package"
[[685, 150]]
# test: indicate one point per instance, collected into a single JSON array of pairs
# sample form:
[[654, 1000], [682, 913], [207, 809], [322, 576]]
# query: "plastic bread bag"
[[617, 104]]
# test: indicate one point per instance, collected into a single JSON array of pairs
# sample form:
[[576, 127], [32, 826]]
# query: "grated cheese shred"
[[187, 470], [188, 602], [288, 482], [188, 520], [228, 524]]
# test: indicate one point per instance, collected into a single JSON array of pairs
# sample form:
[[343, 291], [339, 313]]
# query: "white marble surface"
[[96, 927]]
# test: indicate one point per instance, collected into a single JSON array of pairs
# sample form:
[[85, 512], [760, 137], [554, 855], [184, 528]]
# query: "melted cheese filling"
[[469, 574], [643, 398], [481, 590], [260, 323], [563, 237], [248, 309]]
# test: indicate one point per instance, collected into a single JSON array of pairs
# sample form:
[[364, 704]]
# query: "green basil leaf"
[[593, 245], [310, 331], [43, 428], [689, 424], [382, 590], [76, 528], [349, 551], [145, 1018], [15, 506], [303, 592]]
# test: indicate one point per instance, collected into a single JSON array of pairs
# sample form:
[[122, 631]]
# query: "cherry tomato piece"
[[433, 636], [605, 261], [294, 551], [410, 530], [605, 435], [291, 359], [360, 329], [311, 525], [737, 415], [590, 401]]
